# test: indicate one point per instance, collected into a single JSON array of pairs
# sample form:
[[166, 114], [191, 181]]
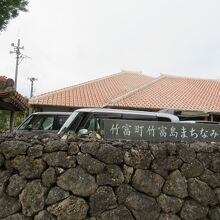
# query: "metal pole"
[[17, 62], [32, 85], [16, 50], [19, 57], [32, 79]]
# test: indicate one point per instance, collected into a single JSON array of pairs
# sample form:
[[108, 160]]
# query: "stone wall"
[[44, 178]]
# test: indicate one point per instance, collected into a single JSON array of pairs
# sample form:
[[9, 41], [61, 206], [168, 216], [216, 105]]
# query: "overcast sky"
[[73, 41]]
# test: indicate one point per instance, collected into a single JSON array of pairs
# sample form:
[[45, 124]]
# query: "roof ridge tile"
[[188, 77], [126, 95]]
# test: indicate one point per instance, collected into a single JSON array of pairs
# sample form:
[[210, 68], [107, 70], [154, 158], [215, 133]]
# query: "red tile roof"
[[177, 93], [9, 98], [96, 93]]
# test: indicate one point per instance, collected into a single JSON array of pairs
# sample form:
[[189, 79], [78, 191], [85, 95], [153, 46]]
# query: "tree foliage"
[[10, 9], [5, 119]]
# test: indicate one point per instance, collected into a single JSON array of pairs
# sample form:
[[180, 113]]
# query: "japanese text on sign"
[[152, 130]]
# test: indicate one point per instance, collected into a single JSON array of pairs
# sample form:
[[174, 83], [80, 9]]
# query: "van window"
[[93, 124], [42, 123], [47, 123]]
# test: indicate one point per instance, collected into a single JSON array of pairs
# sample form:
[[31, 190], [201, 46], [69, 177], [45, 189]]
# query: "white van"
[[41, 122]]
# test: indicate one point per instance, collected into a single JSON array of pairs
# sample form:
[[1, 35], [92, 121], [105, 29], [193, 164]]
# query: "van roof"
[[51, 113], [125, 111]]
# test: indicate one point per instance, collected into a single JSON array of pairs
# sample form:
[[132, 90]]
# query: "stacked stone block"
[[45, 178]]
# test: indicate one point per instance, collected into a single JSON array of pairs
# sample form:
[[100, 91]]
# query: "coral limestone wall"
[[44, 178]]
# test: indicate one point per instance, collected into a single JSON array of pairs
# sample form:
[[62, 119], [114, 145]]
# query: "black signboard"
[[160, 131]]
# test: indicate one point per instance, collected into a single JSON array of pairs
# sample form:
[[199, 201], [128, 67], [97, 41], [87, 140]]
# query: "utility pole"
[[32, 79], [19, 58]]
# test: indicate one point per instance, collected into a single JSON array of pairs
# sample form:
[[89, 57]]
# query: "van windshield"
[[25, 123], [71, 123]]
